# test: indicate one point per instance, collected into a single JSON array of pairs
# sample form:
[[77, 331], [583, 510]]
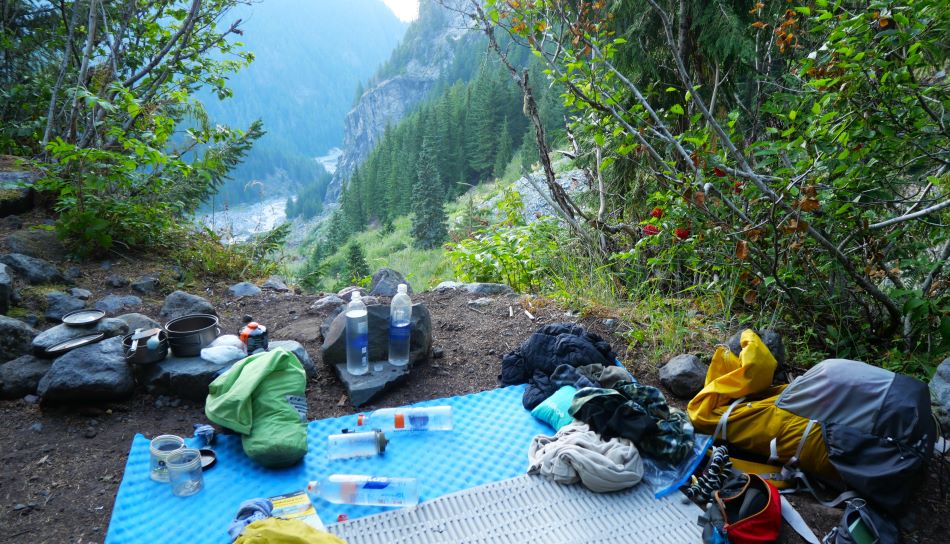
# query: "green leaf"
[[816, 108], [792, 115], [677, 109]]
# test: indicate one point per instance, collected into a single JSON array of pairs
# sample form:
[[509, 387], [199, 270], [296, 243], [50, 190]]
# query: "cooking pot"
[[188, 334], [143, 355]]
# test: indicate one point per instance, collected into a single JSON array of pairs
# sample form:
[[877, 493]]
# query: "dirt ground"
[[62, 464]]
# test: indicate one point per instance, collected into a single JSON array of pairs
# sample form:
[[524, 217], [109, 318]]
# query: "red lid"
[[252, 325]]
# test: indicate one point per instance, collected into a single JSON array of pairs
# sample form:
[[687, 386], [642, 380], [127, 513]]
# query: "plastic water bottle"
[[400, 314], [357, 336], [427, 418], [348, 444], [365, 490]]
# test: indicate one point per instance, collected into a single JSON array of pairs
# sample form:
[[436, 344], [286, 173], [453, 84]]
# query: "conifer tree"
[[428, 222], [356, 267], [504, 152]]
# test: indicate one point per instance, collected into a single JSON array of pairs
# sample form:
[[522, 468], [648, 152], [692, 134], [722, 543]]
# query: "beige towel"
[[578, 454]]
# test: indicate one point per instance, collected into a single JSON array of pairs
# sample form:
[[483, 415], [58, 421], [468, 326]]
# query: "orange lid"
[[252, 325]]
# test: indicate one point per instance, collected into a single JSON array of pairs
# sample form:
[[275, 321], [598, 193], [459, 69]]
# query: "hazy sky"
[[406, 10]]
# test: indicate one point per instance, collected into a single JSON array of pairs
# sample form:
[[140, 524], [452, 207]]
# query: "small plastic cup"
[[161, 447], [184, 472]]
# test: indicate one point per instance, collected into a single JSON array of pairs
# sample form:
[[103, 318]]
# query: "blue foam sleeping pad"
[[489, 443]]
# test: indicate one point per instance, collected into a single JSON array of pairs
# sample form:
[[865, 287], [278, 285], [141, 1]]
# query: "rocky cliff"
[[417, 65]]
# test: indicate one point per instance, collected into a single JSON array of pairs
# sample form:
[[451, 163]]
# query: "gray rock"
[[6, 288], [59, 304], [17, 195], [113, 304], [36, 427], [180, 303], [38, 243], [369, 300], [15, 338], [770, 338], [297, 349], [610, 322], [683, 375], [325, 326], [488, 289], [276, 283], [31, 399], [73, 273], [420, 340], [139, 321], [146, 284], [347, 292], [386, 281], [31, 320], [244, 289], [362, 389], [306, 329], [34, 270], [184, 377], [20, 376], [81, 294], [106, 265], [329, 302], [940, 393], [480, 303], [93, 373], [449, 285], [61, 333], [115, 280]]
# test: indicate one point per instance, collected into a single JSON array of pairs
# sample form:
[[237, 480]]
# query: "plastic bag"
[[665, 478], [220, 355], [228, 340]]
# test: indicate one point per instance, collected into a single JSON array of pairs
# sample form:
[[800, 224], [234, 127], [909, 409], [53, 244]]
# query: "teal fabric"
[[554, 409]]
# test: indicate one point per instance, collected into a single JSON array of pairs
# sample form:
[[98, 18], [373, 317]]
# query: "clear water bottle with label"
[[424, 418], [357, 336], [365, 490], [400, 315], [349, 444]]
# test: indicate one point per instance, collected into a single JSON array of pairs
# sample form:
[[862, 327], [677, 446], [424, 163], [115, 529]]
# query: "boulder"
[[146, 284], [81, 294], [73, 273], [297, 349], [683, 375], [770, 338], [139, 321], [34, 270], [347, 292], [420, 340], [20, 376], [59, 304], [93, 373], [15, 338], [940, 393], [386, 281], [362, 389], [38, 243], [488, 289], [480, 303], [244, 289], [325, 326], [115, 280], [183, 377], [180, 303], [449, 285], [276, 283], [16, 191], [6, 288], [369, 300], [61, 333], [113, 304], [329, 302], [305, 330]]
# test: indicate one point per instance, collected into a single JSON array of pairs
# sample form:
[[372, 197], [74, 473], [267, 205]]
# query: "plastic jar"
[[184, 472], [347, 445], [161, 447]]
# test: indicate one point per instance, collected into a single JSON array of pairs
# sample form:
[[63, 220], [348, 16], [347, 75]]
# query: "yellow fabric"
[[285, 531], [755, 422]]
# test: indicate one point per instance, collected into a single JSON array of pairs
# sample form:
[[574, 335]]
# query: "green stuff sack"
[[257, 397]]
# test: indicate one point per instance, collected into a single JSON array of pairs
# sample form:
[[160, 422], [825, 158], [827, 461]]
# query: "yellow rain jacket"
[[754, 423], [285, 531]]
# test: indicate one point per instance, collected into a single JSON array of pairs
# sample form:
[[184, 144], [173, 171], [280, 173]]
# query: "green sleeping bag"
[[256, 398]]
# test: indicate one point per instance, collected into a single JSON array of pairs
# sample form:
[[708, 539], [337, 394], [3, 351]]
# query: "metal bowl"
[[188, 334]]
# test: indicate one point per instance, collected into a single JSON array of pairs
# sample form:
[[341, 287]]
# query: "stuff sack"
[[747, 510], [860, 524], [262, 398]]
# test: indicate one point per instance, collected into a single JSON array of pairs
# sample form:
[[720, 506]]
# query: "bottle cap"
[[401, 289], [252, 325], [313, 487], [381, 441], [356, 296]]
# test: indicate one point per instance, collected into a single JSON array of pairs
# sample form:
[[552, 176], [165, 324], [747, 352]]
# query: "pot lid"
[[74, 343], [82, 318]]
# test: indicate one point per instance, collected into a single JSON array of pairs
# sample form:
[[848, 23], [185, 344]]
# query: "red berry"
[[681, 233], [657, 212], [719, 172], [650, 230]]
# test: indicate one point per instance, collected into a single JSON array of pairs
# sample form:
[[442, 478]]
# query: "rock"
[[31, 320], [480, 303], [6, 288], [59, 304], [12, 222], [81, 294], [15, 338], [61, 333], [362, 389], [73, 273], [113, 304], [438, 353], [115, 280], [420, 340], [347, 292], [488, 289], [244, 289], [31, 399], [36, 427], [683, 375], [369, 300], [325, 326], [297, 349], [386, 281], [34, 270], [16, 188], [184, 377], [146, 284], [325, 303], [93, 373], [771, 339], [106, 265], [609, 323], [38, 243], [139, 321], [180, 303], [449, 285], [20, 376], [276, 283], [940, 393], [304, 330]]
